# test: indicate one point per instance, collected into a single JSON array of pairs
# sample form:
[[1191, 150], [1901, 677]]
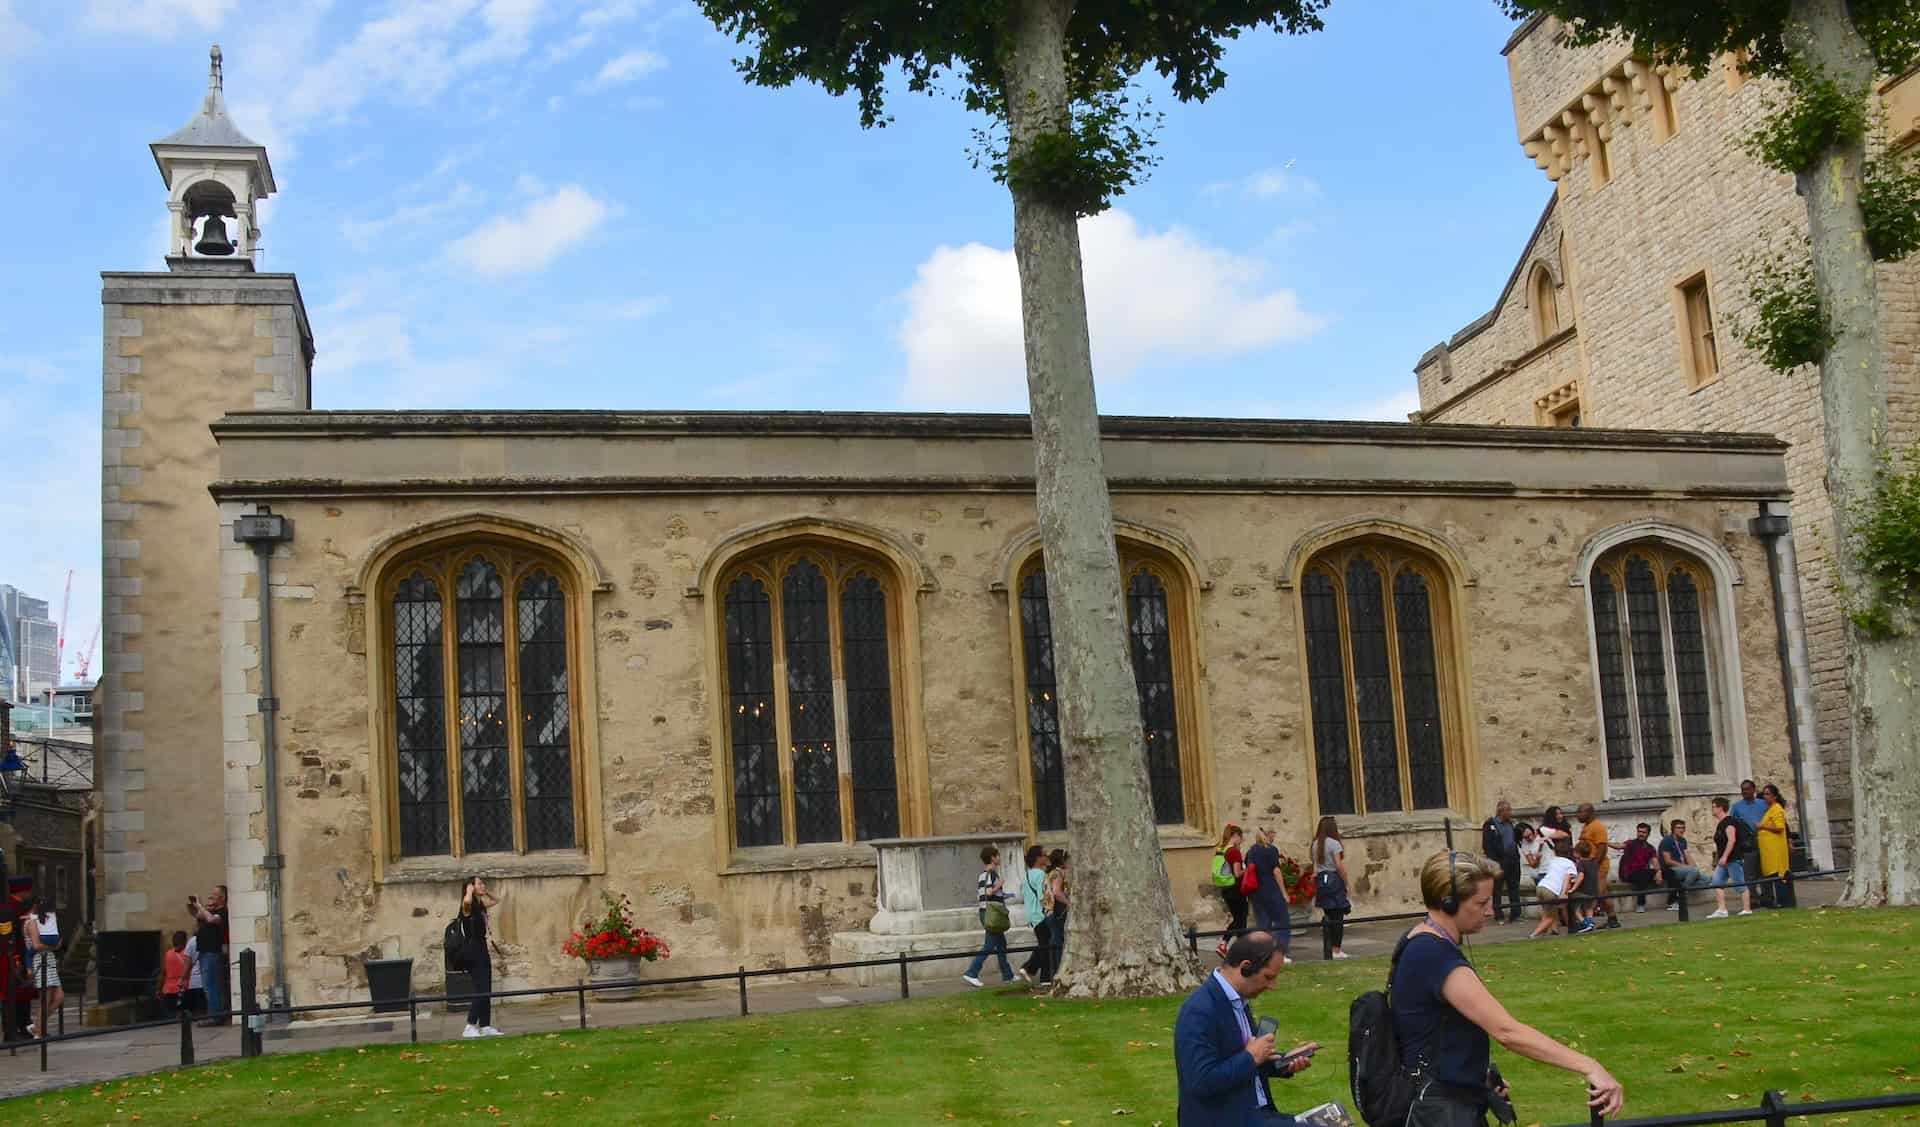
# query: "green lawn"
[[1696, 1017]]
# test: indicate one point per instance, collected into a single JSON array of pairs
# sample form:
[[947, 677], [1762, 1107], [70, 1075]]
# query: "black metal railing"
[[254, 1016], [1774, 1111]]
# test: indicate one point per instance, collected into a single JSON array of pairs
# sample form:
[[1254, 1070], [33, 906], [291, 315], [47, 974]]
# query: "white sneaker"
[[1673, 907], [471, 1031], [1341, 955], [1719, 915], [971, 981], [1641, 909], [1024, 976], [1744, 912], [490, 1031], [1287, 960]]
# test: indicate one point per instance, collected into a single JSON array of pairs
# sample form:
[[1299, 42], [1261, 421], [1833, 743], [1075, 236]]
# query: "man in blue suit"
[[1223, 1067]]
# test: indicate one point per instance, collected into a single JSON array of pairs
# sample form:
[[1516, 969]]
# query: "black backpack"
[[1382, 1090], [456, 944]]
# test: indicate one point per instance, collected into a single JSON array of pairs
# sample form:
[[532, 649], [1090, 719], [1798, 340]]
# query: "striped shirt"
[[988, 886]]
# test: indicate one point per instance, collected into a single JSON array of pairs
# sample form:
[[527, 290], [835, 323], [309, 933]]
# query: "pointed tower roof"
[[211, 128]]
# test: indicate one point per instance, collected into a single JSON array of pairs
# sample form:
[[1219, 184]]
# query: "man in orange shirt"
[[1594, 832]]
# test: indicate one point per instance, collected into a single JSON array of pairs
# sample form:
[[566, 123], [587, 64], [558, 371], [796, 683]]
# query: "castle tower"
[[179, 711]]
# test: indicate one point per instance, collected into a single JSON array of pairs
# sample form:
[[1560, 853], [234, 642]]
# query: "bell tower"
[[213, 173], [183, 785]]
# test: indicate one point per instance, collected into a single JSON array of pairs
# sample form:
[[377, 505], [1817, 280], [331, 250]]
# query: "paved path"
[[114, 1055]]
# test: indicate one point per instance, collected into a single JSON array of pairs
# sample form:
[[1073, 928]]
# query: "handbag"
[[1250, 879], [994, 917]]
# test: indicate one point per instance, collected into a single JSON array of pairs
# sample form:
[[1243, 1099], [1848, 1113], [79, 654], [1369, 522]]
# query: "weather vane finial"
[[214, 81]]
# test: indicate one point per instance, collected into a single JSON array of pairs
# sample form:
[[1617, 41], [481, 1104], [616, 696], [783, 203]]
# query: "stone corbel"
[[1641, 77], [1595, 106], [1556, 140], [1578, 135], [1619, 92]]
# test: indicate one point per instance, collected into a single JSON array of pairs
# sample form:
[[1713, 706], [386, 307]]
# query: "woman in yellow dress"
[[1773, 847]]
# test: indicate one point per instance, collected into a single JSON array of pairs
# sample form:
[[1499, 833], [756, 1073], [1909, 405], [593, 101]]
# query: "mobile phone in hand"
[[1265, 1027], [1297, 1055]]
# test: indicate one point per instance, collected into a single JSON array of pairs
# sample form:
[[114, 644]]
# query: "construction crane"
[[86, 658], [60, 635]]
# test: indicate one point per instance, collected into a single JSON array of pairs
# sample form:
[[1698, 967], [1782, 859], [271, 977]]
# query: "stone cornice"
[[600, 425], [129, 287]]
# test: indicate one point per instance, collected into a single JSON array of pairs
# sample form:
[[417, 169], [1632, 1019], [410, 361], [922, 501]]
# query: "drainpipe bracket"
[[1769, 525], [269, 704]]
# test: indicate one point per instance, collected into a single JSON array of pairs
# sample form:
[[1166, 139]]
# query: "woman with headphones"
[[1445, 1018]]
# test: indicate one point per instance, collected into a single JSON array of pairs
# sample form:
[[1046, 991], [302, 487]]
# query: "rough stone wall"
[[1694, 201], [1532, 712], [177, 351]]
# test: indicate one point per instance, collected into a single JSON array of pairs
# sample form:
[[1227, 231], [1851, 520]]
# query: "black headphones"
[[1450, 903]]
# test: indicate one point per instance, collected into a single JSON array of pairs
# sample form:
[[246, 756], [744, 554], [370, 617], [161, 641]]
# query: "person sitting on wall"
[[1222, 1061]]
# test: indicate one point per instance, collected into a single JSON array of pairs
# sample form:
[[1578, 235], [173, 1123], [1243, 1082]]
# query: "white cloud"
[[1150, 295], [529, 240], [15, 36], [408, 221], [161, 19], [508, 23], [1268, 183], [610, 13], [1393, 409], [634, 64], [31, 368]]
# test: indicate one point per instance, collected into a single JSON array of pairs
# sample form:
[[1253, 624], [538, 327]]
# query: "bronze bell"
[[213, 238]]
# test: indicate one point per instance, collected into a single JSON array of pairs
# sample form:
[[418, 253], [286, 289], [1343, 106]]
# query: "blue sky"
[[578, 203]]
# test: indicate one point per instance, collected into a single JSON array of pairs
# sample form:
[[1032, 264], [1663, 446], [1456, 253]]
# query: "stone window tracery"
[[1155, 593], [1381, 688], [812, 721], [482, 712], [1655, 642]]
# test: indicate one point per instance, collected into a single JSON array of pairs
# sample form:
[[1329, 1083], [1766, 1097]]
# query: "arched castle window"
[[1382, 689], [1656, 647], [1546, 307], [813, 696], [1155, 590], [482, 706]]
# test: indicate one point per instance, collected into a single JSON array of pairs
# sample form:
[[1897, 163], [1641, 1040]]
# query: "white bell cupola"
[[213, 173]]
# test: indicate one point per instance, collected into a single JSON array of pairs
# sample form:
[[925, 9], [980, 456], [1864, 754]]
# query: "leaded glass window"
[[750, 717], [1157, 652], [1152, 646], [1043, 712], [1659, 693], [1379, 689], [814, 748], [482, 730]]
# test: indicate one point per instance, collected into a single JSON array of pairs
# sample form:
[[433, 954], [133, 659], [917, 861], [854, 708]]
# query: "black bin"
[[128, 963], [390, 982]]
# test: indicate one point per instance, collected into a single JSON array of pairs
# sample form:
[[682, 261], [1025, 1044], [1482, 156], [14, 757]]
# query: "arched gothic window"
[[483, 707], [1659, 664], [813, 697], [1381, 686], [1546, 306], [1162, 669]]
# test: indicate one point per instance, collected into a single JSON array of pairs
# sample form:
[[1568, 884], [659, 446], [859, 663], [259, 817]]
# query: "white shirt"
[[1558, 873], [1534, 854], [192, 953], [1239, 1005]]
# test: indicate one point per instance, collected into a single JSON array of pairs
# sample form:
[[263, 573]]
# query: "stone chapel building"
[[1619, 314], [706, 659]]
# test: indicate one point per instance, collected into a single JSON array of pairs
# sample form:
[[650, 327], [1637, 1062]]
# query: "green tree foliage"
[[1886, 531], [1890, 200], [858, 46], [1788, 327], [1694, 33]]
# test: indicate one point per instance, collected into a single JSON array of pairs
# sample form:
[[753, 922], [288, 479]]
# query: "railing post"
[[581, 984], [413, 1018], [1326, 939], [249, 1005], [1193, 940], [43, 1049], [186, 1037], [1685, 912], [903, 975], [1774, 1103], [1594, 1118], [743, 990]]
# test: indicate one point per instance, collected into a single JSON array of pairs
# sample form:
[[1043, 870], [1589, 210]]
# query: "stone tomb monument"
[[925, 895]]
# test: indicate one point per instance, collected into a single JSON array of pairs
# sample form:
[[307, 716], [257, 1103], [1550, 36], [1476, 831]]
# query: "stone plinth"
[[926, 896]]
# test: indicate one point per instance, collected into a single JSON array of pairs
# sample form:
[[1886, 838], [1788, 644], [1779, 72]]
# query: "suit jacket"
[[1217, 1077]]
